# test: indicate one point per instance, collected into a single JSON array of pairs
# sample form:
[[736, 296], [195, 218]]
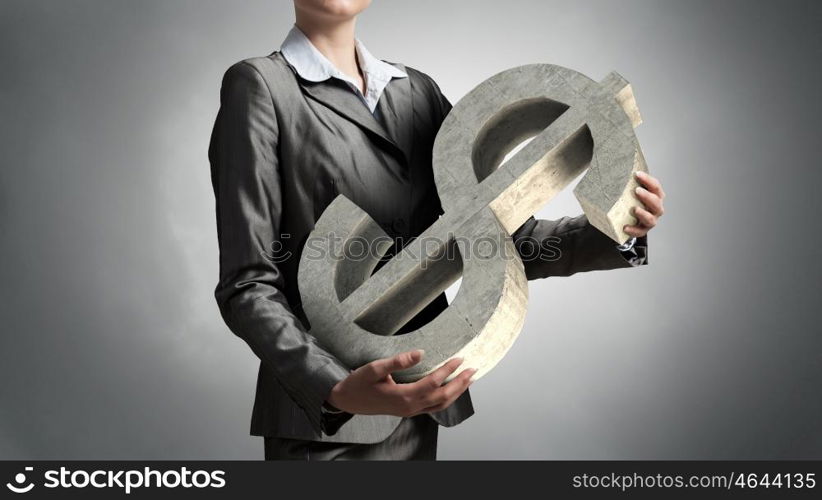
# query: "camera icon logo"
[[20, 478]]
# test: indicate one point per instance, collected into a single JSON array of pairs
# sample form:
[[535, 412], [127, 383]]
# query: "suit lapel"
[[395, 105], [397, 109], [336, 96]]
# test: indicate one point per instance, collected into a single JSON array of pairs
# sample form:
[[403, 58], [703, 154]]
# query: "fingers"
[[650, 183], [635, 231], [448, 393], [381, 368], [435, 379], [645, 218], [652, 201], [429, 391], [651, 195]]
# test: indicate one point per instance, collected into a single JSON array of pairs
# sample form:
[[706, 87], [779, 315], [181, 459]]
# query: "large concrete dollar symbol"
[[576, 122]]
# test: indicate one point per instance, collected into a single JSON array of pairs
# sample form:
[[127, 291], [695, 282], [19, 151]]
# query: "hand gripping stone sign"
[[577, 124]]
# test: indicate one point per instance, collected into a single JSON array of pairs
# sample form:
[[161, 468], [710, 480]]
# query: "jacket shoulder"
[[270, 74], [424, 83], [421, 78], [269, 68]]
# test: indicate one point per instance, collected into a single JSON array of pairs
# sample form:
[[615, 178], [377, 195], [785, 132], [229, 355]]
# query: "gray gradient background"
[[112, 346]]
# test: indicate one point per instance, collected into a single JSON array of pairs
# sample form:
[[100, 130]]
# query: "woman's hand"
[[370, 390], [652, 196]]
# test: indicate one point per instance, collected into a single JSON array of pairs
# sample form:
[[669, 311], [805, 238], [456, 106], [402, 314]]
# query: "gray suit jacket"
[[281, 150]]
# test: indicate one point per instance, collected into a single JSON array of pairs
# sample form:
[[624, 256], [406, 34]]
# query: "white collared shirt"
[[315, 67]]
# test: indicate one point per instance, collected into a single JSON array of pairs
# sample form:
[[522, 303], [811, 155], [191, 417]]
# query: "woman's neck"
[[334, 41]]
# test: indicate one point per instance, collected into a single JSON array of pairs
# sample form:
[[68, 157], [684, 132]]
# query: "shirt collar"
[[313, 66]]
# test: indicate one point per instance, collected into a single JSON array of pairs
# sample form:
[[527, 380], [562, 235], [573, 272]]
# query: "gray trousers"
[[414, 438]]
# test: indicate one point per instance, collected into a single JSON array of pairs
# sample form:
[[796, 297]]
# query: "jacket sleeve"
[[565, 246], [571, 245], [246, 180]]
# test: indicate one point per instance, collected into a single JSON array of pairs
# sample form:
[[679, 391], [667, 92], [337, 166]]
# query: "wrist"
[[332, 402], [628, 245]]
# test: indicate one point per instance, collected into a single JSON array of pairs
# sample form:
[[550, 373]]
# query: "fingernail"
[[421, 351], [640, 173], [639, 190]]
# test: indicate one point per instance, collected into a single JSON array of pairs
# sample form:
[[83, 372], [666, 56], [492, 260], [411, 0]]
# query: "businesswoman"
[[321, 117]]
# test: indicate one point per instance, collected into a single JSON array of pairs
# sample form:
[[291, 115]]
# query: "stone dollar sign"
[[576, 124]]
